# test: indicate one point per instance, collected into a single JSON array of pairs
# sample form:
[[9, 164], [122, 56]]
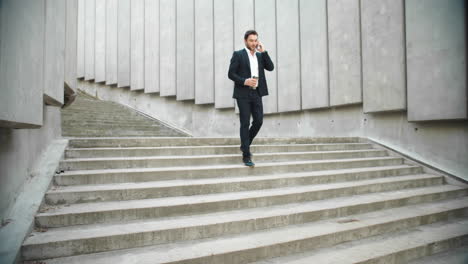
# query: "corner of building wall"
[[21, 214]]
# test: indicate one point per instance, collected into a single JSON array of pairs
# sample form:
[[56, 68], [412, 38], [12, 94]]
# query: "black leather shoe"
[[248, 162]]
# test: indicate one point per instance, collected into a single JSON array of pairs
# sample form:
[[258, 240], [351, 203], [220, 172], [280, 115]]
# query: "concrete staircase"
[[190, 200], [90, 117]]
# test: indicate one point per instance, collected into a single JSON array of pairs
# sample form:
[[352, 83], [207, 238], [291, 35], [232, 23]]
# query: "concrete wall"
[[327, 53], [363, 56], [38, 54], [19, 150]]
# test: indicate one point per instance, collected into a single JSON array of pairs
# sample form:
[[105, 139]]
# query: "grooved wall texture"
[[327, 53]]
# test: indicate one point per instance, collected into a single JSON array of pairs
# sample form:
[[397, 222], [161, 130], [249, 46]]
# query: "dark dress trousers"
[[248, 100]]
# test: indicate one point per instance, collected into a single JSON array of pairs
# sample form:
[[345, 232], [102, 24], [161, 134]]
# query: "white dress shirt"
[[253, 63]]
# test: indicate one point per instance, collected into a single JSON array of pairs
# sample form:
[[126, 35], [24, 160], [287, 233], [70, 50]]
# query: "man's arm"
[[232, 74], [267, 61]]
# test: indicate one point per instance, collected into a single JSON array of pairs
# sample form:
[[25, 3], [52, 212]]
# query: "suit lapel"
[[258, 54]]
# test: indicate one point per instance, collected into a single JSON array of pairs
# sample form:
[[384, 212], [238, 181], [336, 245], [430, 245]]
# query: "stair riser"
[[203, 161], [282, 249], [129, 194], [184, 209], [110, 177], [86, 153], [167, 236], [164, 142]]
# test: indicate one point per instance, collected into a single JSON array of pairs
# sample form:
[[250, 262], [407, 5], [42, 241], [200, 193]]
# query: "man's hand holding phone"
[[260, 47]]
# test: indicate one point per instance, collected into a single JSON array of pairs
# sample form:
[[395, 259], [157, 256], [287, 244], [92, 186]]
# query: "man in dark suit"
[[247, 70]]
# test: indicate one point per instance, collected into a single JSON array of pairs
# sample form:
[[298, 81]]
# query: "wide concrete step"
[[205, 150], [103, 176], [198, 141], [104, 121], [116, 211], [269, 243], [104, 117], [107, 133], [111, 125], [99, 131], [106, 109], [103, 237], [406, 246], [453, 254], [158, 189], [204, 160]]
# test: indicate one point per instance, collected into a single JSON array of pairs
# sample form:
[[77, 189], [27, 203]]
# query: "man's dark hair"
[[250, 32]]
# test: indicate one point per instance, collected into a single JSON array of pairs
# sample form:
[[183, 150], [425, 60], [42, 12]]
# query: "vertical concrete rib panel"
[[185, 50], [167, 70], [80, 40], [151, 46], [204, 53], [344, 52], [100, 49], [123, 43], [223, 50], [54, 57], [436, 59], [137, 45], [314, 53], [111, 41], [22, 31], [289, 61], [383, 55], [265, 24], [89, 35]]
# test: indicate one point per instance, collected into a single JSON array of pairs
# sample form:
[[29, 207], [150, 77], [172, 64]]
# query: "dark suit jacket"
[[239, 71]]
